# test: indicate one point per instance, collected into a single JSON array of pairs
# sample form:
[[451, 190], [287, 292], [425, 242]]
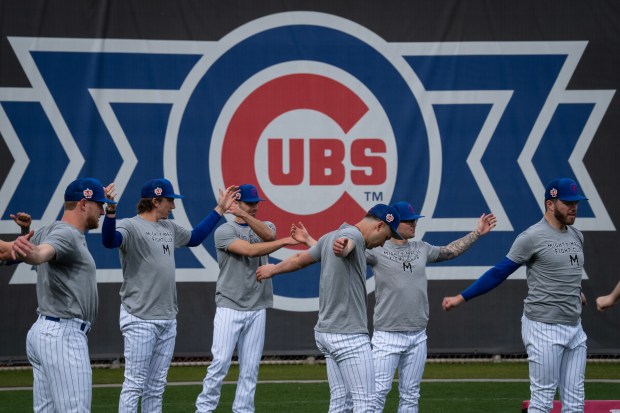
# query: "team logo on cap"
[[573, 188], [389, 217], [158, 191], [88, 193], [553, 192]]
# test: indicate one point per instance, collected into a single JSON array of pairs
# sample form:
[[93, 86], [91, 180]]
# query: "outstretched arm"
[[606, 301], [5, 251], [292, 263], [487, 281], [485, 224], [26, 251], [258, 249]]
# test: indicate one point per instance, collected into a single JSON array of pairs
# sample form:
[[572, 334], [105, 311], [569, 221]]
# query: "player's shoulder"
[[225, 228]]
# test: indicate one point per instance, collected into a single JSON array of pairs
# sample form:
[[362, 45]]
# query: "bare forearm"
[[5, 251], [260, 228], [40, 254], [615, 294], [260, 248], [459, 246], [294, 263]]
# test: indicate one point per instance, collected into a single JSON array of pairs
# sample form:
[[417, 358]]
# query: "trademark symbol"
[[374, 196]]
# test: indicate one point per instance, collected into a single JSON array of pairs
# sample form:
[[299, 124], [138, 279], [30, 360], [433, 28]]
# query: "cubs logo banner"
[[327, 112]]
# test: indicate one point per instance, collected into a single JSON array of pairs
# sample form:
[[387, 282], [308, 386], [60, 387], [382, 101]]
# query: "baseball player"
[[607, 301], [551, 324], [149, 306], [401, 309], [341, 332], [242, 244], [23, 220], [57, 345]]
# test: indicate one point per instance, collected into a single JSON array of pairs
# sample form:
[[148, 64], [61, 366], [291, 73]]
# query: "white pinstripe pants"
[[557, 359], [58, 352], [405, 350], [246, 330], [149, 345], [350, 371]]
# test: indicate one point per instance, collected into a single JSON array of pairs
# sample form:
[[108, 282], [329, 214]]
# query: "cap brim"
[[573, 198], [174, 196], [252, 200], [395, 234], [411, 217]]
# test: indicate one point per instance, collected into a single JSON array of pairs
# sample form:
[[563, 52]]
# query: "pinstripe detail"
[[246, 330], [557, 360], [350, 371], [58, 352], [149, 345], [406, 351]]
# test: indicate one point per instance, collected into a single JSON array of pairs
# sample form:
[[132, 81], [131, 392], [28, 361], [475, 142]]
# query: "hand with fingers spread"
[[300, 233], [226, 199], [486, 223]]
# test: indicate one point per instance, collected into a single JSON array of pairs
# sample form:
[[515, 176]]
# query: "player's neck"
[[150, 216], [398, 241], [75, 219]]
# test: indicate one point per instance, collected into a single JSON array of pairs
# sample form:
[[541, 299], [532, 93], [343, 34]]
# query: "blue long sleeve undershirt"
[[490, 279], [111, 238], [204, 228]]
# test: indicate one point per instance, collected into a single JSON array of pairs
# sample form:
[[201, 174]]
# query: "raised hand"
[[227, 198], [486, 223], [23, 220]]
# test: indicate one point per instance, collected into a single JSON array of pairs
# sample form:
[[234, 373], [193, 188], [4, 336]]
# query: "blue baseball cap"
[[405, 209], [159, 188], [389, 215], [248, 193], [564, 189], [86, 188]]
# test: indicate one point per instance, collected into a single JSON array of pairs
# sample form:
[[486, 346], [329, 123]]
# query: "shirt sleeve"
[[490, 279]]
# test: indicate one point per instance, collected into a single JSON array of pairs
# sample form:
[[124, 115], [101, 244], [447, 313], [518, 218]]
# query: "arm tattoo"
[[457, 247]]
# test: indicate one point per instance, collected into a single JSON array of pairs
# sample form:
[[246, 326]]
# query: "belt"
[[83, 326]]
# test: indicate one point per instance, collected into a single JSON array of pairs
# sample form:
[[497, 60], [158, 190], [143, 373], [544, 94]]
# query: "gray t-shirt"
[[342, 286], [554, 260], [401, 284], [147, 257], [67, 284], [236, 286]]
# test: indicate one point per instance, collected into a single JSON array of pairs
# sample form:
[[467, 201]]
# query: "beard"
[[564, 219], [92, 222]]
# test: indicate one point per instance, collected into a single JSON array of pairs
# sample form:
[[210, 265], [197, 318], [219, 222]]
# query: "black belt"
[[84, 326]]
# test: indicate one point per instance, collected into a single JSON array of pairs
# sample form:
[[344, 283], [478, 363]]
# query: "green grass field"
[[300, 393]]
